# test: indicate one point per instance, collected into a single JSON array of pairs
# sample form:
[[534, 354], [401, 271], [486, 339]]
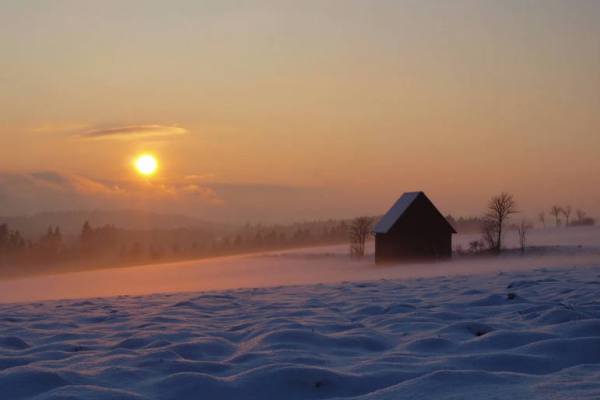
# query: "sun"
[[146, 164]]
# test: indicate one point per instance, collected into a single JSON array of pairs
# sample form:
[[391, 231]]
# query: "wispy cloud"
[[24, 193], [130, 132], [200, 195]]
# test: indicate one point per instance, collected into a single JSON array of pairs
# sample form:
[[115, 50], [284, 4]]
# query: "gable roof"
[[389, 219], [398, 209]]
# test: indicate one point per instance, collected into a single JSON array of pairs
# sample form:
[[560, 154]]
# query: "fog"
[[551, 248]]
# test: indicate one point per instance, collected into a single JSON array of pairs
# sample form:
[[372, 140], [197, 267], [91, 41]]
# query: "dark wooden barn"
[[412, 229]]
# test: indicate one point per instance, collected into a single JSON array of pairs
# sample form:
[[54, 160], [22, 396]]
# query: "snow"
[[522, 334], [510, 327]]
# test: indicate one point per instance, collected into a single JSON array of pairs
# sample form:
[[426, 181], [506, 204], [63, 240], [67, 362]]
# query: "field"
[[522, 327]]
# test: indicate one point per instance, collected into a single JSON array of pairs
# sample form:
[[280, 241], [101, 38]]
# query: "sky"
[[287, 110]]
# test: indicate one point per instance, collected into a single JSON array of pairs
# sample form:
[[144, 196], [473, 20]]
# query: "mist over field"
[[549, 248]]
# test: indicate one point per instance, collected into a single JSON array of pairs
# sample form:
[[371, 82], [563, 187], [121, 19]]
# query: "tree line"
[[571, 218], [108, 245], [495, 222]]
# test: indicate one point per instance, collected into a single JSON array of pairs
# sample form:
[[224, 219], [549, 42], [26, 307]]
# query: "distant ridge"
[[70, 222]]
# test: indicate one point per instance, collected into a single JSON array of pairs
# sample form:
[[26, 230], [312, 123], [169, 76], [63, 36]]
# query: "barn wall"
[[403, 246]]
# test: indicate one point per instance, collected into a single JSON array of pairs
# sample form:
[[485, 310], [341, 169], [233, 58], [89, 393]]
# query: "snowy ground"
[[519, 335], [510, 327]]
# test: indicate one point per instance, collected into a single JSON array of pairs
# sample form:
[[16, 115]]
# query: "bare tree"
[[567, 210], [359, 231], [556, 212], [582, 219], [542, 218], [523, 229], [475, 246], [499, 210], [489, 233]]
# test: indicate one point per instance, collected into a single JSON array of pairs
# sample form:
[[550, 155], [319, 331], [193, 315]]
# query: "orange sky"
[[284, 110]]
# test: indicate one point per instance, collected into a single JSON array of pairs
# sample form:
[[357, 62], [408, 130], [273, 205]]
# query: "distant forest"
[[110, 246]]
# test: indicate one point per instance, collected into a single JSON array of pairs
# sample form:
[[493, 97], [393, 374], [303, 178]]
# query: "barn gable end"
[[413, 228]]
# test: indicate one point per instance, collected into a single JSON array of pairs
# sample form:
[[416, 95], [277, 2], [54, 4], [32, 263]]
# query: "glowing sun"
[[146, 164]]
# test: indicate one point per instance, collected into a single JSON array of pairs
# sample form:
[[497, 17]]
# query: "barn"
[[412, 229]]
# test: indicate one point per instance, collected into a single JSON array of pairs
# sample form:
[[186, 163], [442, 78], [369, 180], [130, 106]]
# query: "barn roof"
[[389, 219]]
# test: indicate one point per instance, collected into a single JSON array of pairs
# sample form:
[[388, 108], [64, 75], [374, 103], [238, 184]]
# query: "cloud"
[[196, 195], [206, 193], [130, 132], [49, 178], [25, 193]]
